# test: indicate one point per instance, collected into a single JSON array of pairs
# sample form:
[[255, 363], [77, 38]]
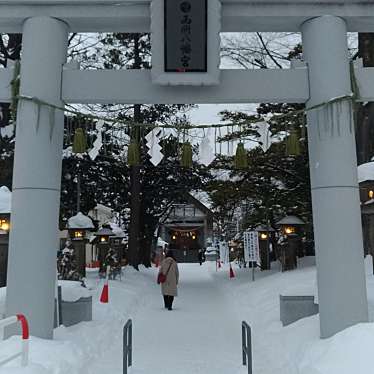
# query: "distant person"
[[200, 256], [169, 269]]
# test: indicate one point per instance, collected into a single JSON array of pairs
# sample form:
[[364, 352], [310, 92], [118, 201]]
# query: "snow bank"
[[80, 348], [5, 199], [32, 369], [366, 172], [348, 352], [46, 357], [73, 291]]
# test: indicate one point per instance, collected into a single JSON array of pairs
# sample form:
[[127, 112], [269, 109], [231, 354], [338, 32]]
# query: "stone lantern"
[[78, 226], [117, 241], [5, 208], [290, 243], [265, 239], [103, 237]]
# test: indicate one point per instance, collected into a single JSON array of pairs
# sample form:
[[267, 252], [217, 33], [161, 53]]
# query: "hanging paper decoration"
[[98, 143], [265, 135], [15, 86], [80, 141], [230, 144], [186, 157], [293, 143], [241, 157], [133, 154], [154, 146], [206, 153]]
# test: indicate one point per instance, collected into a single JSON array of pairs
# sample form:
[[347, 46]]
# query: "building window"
[[371, 194]]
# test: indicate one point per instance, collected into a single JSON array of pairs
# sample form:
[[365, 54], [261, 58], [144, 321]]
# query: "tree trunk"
[[135, 184], [365, 118], [135, 203]]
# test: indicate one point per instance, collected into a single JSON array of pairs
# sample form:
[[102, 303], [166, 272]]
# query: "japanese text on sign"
[[251, 246], [185, 35]]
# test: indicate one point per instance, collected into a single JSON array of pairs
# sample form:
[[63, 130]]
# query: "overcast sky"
[[208, 113]]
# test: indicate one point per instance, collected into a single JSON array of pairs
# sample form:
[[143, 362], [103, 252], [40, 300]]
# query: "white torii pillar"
[[37, 177], [333, 168]]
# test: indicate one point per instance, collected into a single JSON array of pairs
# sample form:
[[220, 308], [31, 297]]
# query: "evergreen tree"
[[274, 184]]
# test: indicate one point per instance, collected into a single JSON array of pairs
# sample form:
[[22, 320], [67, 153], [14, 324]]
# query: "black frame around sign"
[[183, 69]]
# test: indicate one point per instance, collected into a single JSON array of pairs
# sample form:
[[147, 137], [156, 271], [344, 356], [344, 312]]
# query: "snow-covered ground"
[[202, 335]]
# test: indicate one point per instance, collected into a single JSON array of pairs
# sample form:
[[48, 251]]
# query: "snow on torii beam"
[[134, 15], [237, 86]]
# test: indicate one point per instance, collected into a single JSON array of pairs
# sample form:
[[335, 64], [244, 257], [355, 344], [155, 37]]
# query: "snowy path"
[[201, 335]]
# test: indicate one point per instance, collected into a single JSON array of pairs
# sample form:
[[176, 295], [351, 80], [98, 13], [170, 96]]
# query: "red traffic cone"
[[232, 274], [104, 298]]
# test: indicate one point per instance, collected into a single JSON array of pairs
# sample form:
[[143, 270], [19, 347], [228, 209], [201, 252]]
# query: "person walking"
[[200, 256], [169, 279]]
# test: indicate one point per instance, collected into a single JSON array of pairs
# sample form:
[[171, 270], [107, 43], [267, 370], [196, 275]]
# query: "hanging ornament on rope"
[[98, 143], [263, 128], [186, 156], [133, 153], [79, 141], [241, 157], [153, 143], [293, 143], [206, 153], [15, 86]]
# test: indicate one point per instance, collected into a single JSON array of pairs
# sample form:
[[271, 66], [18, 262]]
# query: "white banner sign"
[[251, 246], [224, 252]]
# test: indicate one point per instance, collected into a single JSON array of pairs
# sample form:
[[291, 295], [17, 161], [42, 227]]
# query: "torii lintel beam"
[[237, 15], [237, 86]]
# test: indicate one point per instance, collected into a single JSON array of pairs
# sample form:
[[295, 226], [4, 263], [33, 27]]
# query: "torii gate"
[[45, 25]]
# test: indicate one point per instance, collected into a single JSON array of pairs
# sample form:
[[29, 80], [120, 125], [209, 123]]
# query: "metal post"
[[333, 168], [244, 344], [127, 346], [130, 344], [37, 177], [247, 346]]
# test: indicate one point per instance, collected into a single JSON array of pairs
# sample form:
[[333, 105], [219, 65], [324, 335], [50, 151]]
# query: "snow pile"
[[73, 291], [349, 351], [80, 221], [31, 369], [5, 199], [47, 357], [117, 231], [366, 172], [83, 347]]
